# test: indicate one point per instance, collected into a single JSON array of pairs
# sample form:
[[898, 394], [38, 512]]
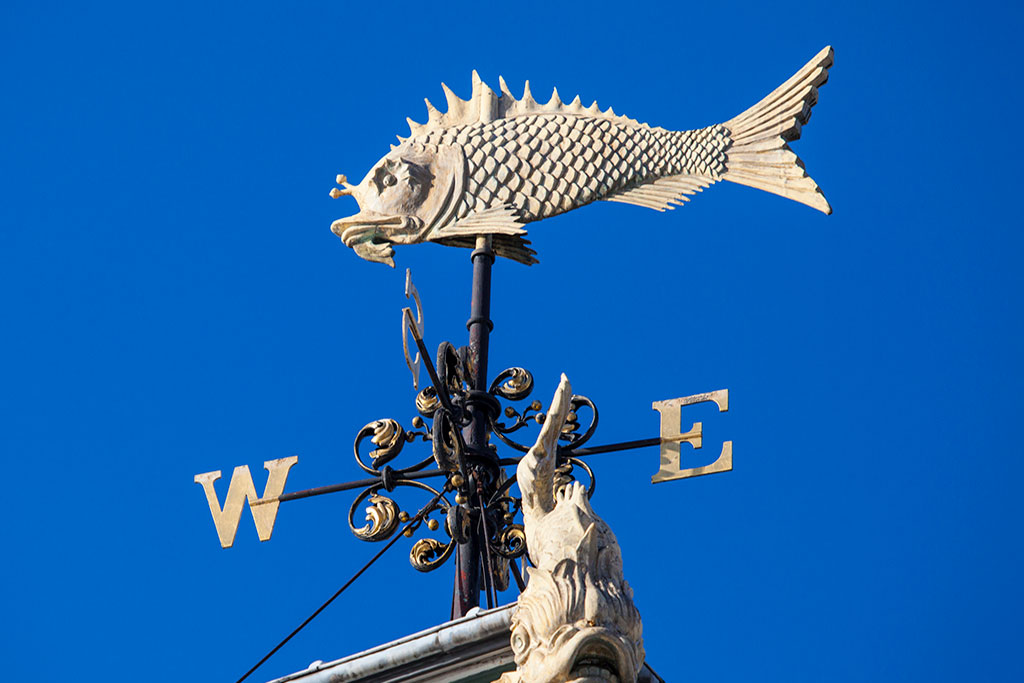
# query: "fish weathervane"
[[493, 163]]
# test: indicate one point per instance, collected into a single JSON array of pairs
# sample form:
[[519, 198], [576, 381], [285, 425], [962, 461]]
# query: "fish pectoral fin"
[[512, 247], [515, 248], [663, 193], [497, 220]]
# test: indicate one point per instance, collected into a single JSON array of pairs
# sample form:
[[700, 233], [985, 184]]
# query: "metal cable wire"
[[492, 593], [414, 521]]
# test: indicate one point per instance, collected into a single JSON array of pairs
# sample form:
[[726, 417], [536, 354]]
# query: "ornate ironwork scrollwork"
[[511, 542], [446, 415], [457, 523], [427, 554], [448, 445], [515, 384], [571, 430], [427, 402], [389, 437], [564, 474], [450, 369], [382, 516]]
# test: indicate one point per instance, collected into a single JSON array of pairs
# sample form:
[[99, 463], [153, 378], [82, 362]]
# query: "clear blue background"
[[174, 303]]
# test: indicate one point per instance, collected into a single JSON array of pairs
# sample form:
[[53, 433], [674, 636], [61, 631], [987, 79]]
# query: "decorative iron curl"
[[450, 369], [389, 437], [383, 514], [570, 432], [515, 384], [518, 383], [448, 446], [427, 402], [427, 554], [511, 542], [564, 474], [381, 517]]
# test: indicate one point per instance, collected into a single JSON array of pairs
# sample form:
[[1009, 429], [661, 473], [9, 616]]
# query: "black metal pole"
[[468, 556]]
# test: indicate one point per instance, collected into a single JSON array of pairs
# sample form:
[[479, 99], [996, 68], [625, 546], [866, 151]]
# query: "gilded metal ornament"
[[427, 554], [388, 437], [382, 517], [514, 384], [427, 402]]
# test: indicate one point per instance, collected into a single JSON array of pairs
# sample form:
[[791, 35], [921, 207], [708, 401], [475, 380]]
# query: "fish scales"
[[492, 164], [547, 164]]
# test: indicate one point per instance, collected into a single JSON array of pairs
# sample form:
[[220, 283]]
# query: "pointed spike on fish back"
[[575, 105], [414, 128], [555, 99], [458, 108], [593, 108], [527, 98], [484, 100], [611, 111], [503, 86], [433, 115], [454, 101]]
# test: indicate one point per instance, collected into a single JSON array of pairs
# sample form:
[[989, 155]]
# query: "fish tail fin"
[[759, 156]]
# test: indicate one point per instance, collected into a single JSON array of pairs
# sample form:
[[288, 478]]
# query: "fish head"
[[405, 196]]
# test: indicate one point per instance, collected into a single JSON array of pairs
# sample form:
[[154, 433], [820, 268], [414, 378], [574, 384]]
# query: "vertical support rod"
[[468, 555]]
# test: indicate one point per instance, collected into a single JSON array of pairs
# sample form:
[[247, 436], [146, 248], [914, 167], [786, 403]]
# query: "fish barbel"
[[492, 164]]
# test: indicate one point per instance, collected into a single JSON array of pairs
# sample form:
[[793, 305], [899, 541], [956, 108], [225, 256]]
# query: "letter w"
[[264, 510]]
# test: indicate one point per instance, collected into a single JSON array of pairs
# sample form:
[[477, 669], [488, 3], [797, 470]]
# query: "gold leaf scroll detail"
[[389, 437], [427, 554], [382, 518]]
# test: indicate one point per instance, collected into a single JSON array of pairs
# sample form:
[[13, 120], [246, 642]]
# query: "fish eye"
[[520, 640], [384, 178]]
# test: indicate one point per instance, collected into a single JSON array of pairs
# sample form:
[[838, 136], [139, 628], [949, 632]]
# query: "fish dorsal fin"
[[485, 105]]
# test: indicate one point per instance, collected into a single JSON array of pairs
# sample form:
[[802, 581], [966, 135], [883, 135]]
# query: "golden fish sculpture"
[[492, 164]]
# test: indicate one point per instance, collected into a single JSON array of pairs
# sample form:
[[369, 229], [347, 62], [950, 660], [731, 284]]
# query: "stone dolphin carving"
[[492, 164], [576, 621]]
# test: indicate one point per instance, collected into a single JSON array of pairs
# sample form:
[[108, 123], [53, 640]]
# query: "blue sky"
[[175, 303]]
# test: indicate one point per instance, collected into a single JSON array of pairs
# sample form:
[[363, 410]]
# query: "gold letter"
[[241, 488], [671, 437]]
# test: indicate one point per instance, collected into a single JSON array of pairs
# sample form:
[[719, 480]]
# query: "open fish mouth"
[[595, 662], [377, 249], [370, 234], [367, 227]]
